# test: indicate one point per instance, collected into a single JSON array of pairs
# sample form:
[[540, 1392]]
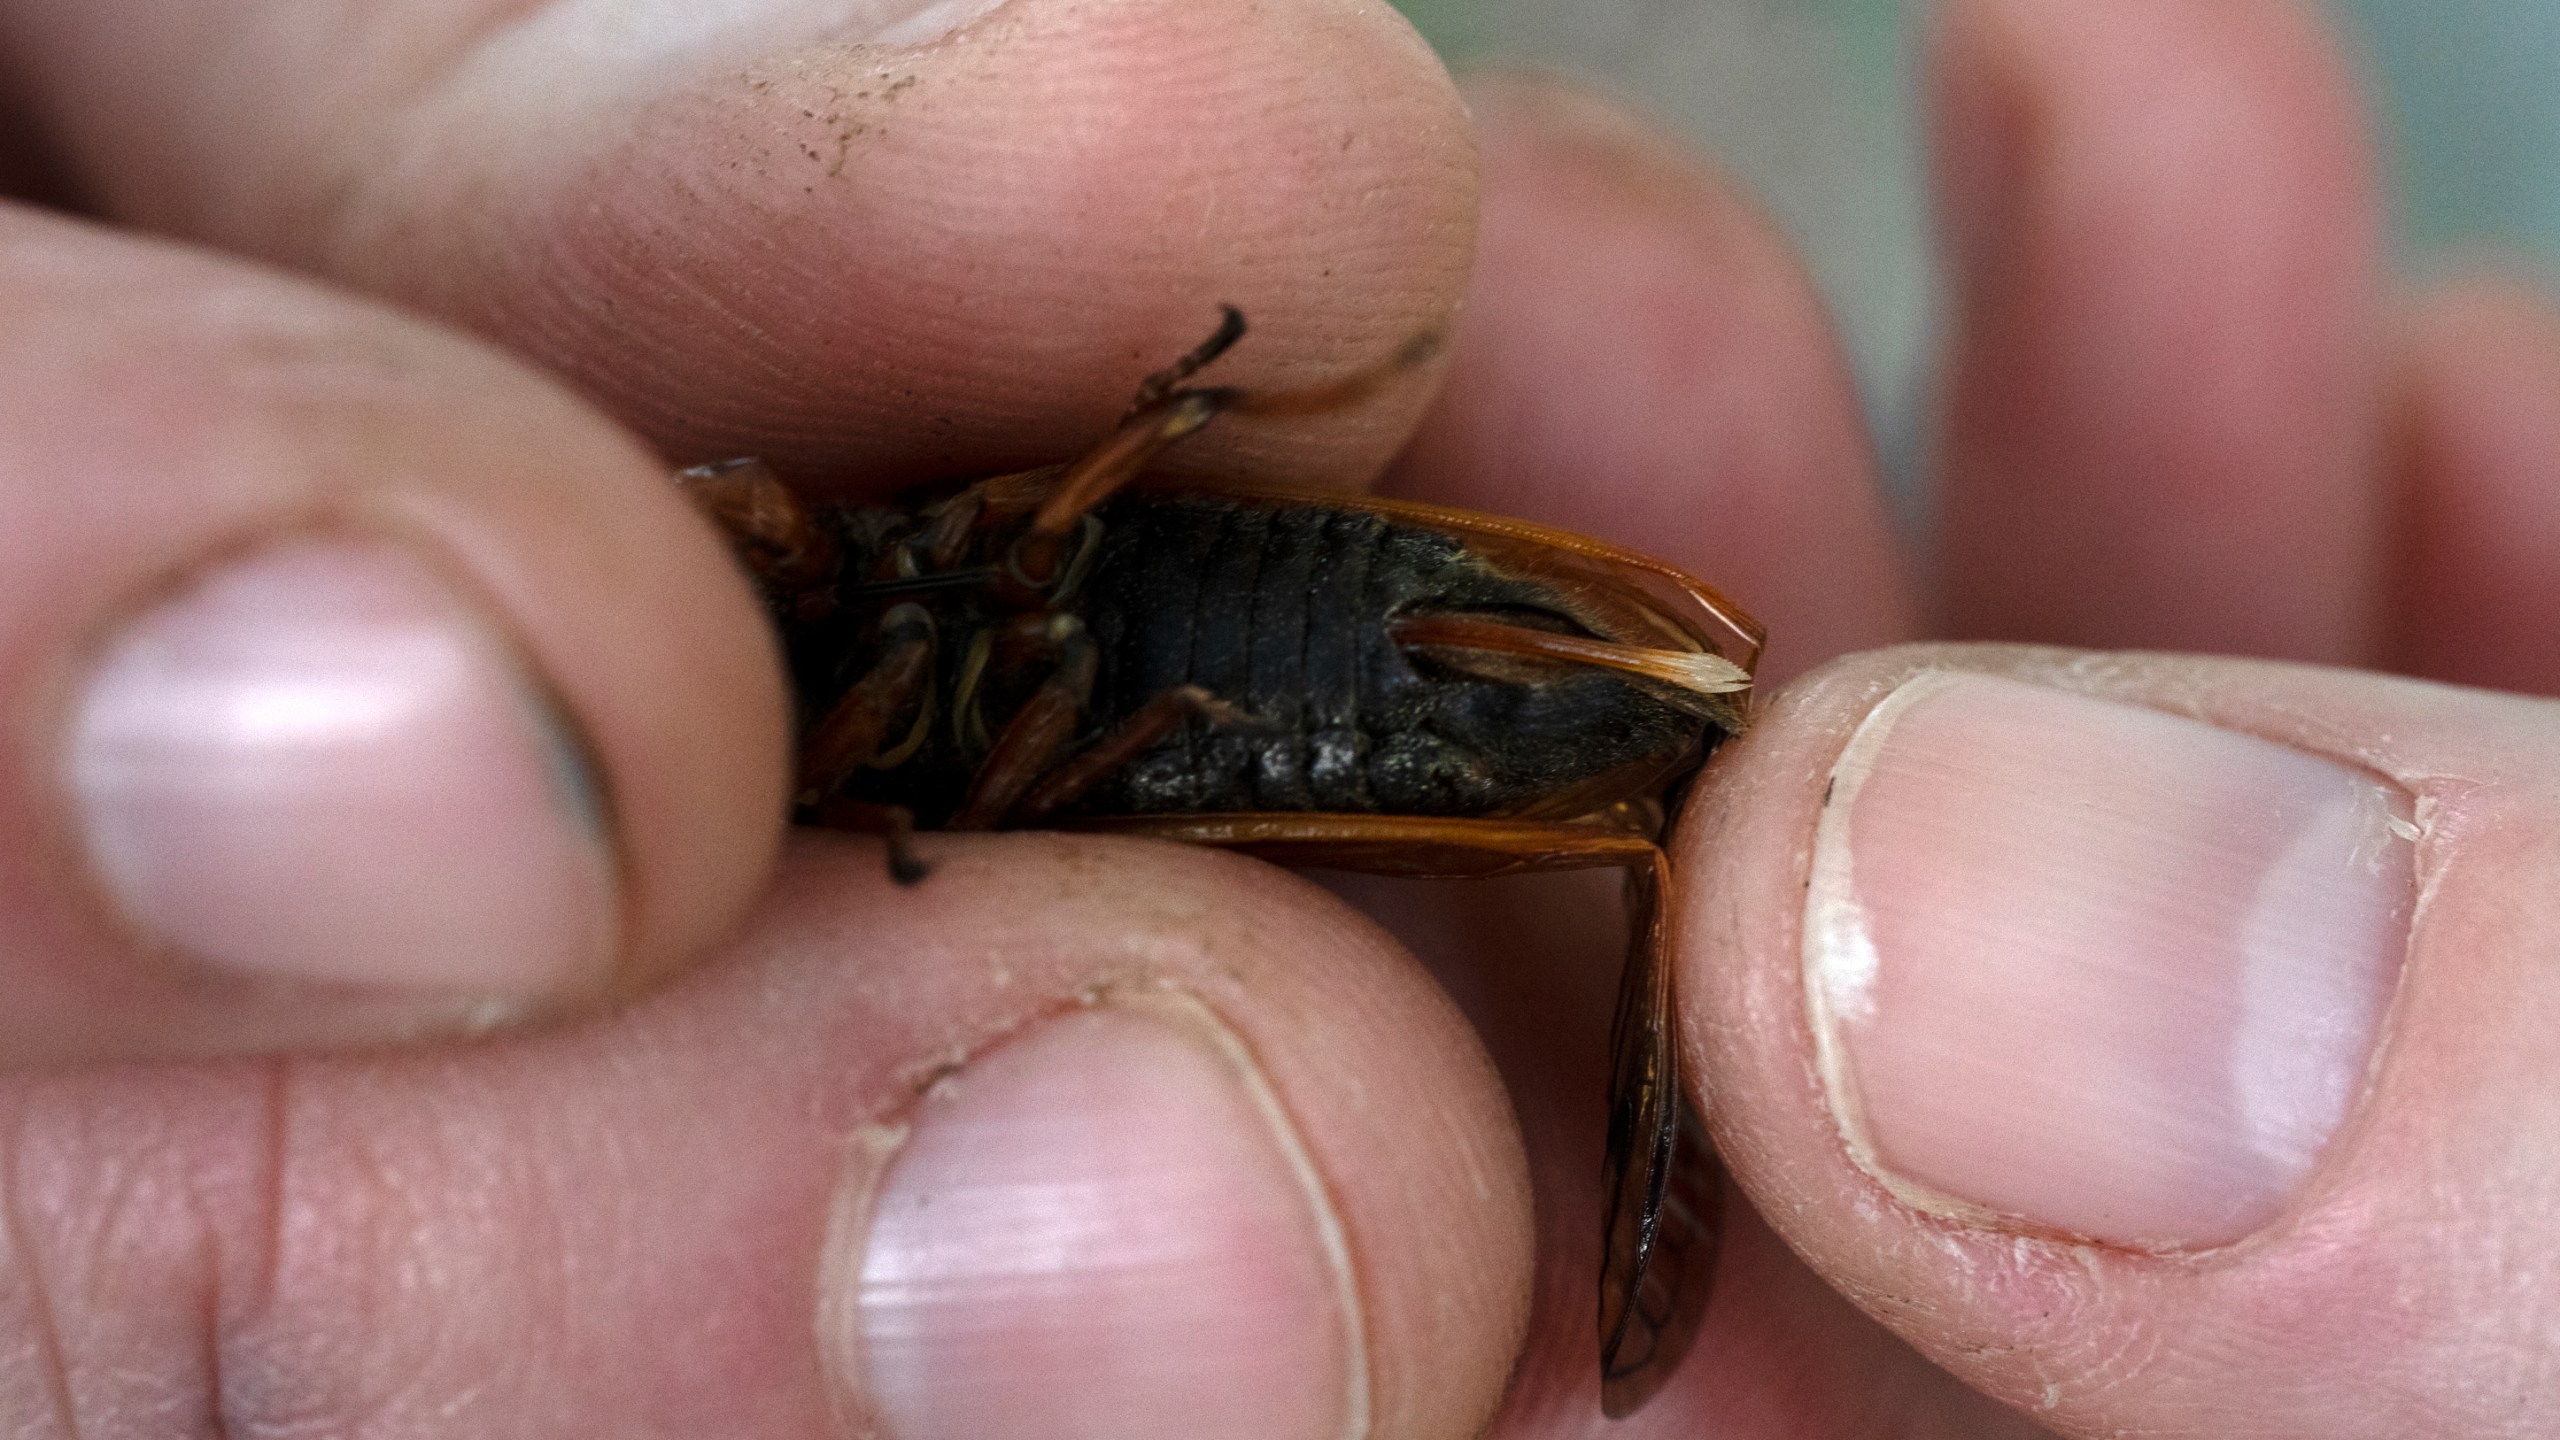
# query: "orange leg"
[[1133, 737], [764, 520], [1038, 732], [853, 733], [1163, 414], [1663, 1204]]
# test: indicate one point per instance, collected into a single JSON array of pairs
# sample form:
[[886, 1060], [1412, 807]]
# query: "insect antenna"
[[918, 584]]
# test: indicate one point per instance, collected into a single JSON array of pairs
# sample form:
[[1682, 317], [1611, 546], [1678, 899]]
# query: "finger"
[[2161, 1044], [2479, 432], [2161, 410], [357, 682], [882, 242], [1641, 357], [1072, 1140]]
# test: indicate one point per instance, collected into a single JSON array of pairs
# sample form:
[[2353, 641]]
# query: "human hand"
[[2122, 987]]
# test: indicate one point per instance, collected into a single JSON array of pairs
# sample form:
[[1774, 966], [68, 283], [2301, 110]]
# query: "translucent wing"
[[1662, 1210]]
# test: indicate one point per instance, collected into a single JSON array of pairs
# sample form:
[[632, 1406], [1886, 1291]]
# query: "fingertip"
[[366, 685], [1194, 1150], [2059, 1002], [635, 620], [877, 263]]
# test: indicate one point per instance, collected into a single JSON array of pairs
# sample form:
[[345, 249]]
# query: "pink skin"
[[2182, 414], [2163, 401], [2371, 1303], [2478, 373]]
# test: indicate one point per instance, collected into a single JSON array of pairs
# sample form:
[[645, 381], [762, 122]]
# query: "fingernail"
[[1105, 1229], [317, 763], [2097, 968]]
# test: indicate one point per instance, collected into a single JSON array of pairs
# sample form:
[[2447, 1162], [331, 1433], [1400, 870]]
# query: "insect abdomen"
[[1282, 609]]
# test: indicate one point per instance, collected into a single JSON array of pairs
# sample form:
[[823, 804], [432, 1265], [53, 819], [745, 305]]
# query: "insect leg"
[[1663, 1201], [894, 824], [1123, 453], [765, 522], [1417, 847], [1162, 417], [1097, 762], [1039, 731], [852, 733], [1155, 387]]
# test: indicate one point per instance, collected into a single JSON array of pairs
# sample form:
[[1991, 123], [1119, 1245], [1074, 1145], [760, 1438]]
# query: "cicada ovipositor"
[[1315, 678]]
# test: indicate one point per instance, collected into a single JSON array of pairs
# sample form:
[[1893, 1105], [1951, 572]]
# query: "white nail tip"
[[2307, 979], [1840, 959]]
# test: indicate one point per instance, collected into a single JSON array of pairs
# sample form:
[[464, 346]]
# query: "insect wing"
[[1697, 609], [1662, 1197]]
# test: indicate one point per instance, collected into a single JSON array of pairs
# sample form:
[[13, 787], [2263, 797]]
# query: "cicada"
[[1316, 678]]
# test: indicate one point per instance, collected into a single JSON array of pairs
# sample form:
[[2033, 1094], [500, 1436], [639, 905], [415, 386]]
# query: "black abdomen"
[[1282, 609]]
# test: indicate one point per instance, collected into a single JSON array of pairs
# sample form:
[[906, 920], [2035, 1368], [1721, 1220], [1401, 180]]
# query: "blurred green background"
[[1809, 101]]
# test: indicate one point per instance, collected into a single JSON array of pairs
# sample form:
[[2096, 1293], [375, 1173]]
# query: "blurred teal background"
[[1809, 101]]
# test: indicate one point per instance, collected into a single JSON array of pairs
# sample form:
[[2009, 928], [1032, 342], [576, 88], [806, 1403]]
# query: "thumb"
[[356, 684], [2161, 1044]]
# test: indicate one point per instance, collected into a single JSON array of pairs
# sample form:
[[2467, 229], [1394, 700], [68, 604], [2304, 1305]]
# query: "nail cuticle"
[[966, 1213]]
